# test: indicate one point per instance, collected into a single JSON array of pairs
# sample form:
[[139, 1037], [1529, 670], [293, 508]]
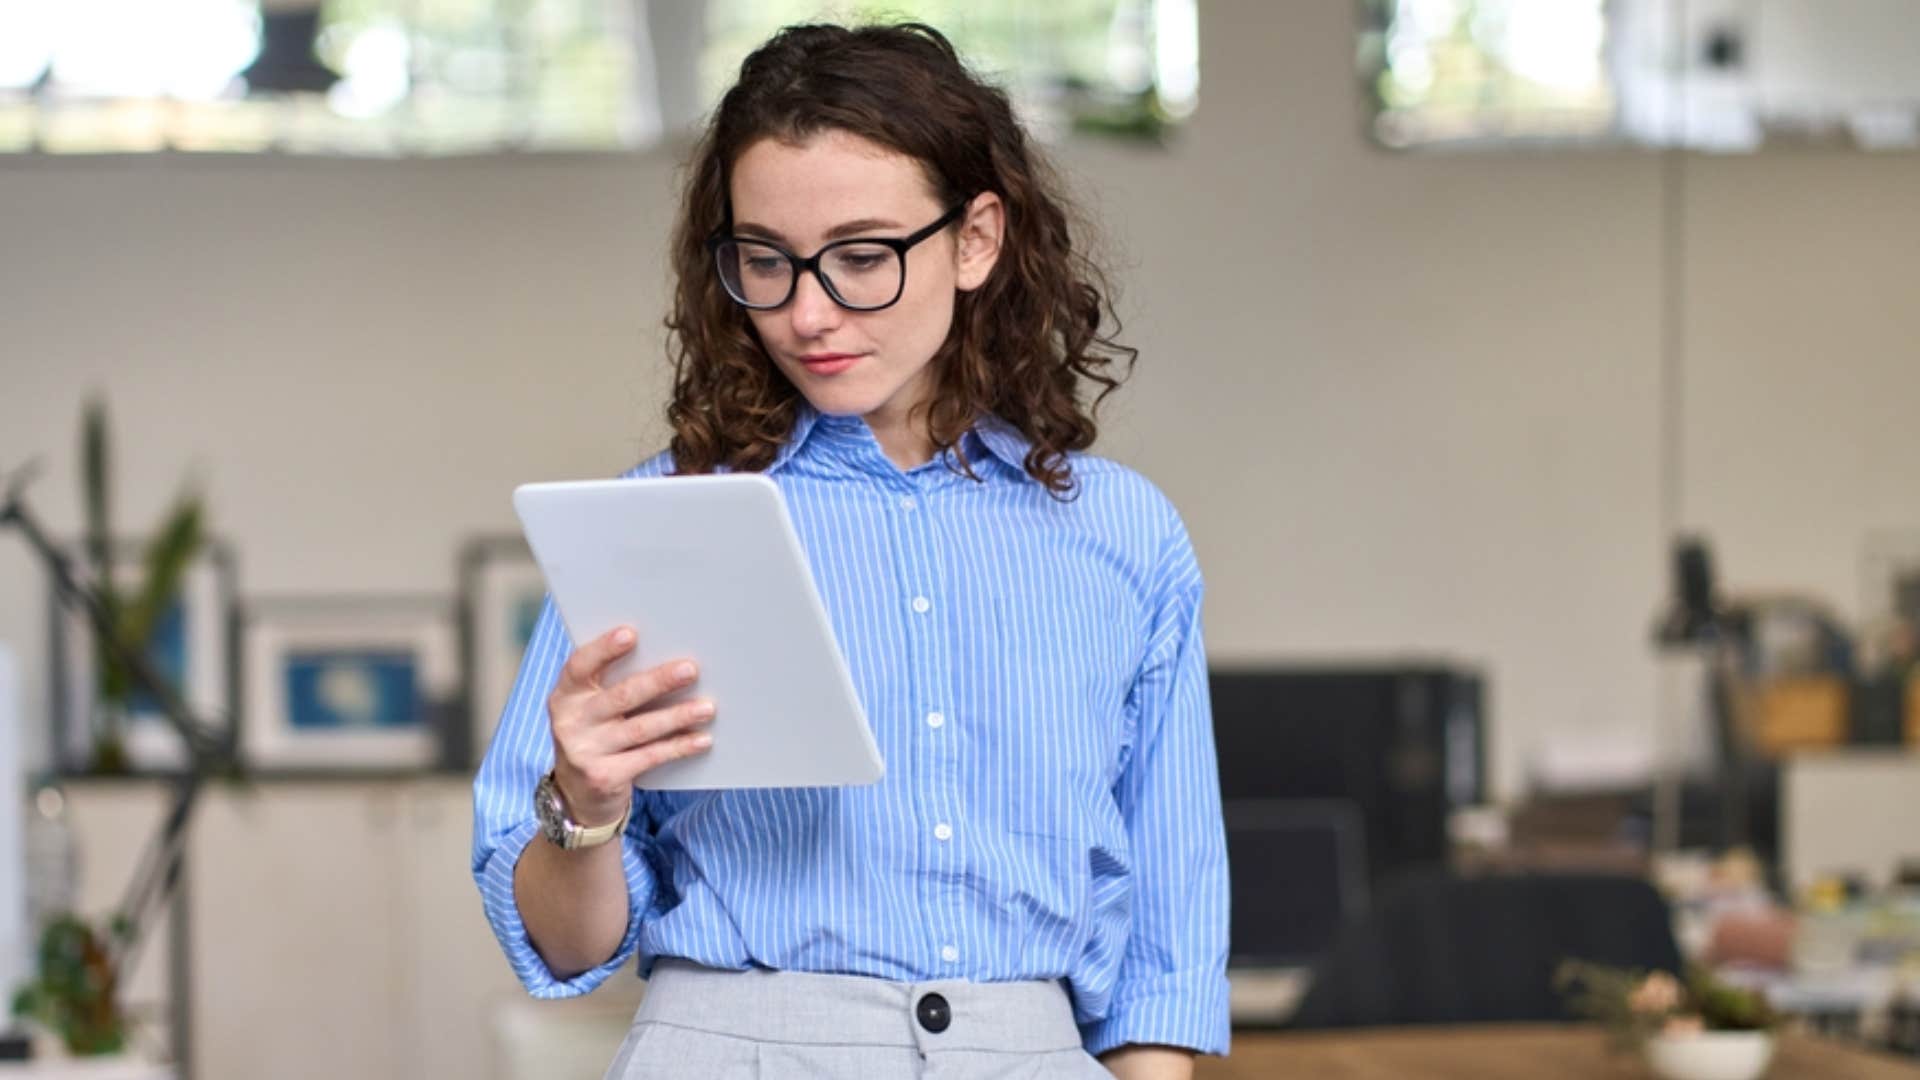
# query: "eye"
[[861, 259]]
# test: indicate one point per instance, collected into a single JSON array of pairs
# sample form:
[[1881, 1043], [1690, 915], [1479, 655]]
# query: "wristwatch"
[[550, 810]]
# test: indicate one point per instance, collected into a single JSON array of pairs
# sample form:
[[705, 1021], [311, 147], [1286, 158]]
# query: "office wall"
[[1408, 404]]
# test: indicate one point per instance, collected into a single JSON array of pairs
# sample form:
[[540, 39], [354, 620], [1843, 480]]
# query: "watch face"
[[550, 812]]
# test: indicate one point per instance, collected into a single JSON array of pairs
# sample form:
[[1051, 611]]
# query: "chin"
[[841, 401]]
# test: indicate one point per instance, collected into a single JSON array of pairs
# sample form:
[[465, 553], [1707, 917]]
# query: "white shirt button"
[[935, 719], [943, 831], [921, 604], [908, 502], [949, 953]]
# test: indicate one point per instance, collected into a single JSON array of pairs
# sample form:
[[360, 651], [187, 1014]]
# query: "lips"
[[828, 363]]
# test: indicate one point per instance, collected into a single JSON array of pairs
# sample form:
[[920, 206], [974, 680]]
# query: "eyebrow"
[[845, 229]]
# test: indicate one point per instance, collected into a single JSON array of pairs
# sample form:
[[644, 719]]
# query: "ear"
[[981, 231]]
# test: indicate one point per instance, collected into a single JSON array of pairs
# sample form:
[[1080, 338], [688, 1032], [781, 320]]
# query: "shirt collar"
[[803, 423], [1005, 442], [1002, 441]]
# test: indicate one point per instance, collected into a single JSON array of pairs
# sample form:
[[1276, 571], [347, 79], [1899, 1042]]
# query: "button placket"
[[921, 565]]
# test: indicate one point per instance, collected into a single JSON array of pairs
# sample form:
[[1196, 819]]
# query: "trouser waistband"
[[802, 1007]]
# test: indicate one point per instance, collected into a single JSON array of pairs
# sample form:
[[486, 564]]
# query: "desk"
[[1503, 1052]]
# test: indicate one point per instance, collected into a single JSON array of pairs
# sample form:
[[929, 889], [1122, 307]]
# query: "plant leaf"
[[96, 487], [165, 564], [96, 475]]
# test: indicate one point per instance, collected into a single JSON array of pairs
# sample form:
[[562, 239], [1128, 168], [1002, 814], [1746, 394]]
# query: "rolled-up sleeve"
[[503, 821], [1172, 986]]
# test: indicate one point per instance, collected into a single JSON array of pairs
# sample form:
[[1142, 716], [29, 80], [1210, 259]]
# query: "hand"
[[604, 737]]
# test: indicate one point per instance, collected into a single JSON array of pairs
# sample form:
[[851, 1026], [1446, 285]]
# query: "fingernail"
[[683, 672], [703, 709], [702, 741], [623, 637]]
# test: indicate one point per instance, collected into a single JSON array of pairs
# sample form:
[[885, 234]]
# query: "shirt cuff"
[[503, 912], [1187, 1009]]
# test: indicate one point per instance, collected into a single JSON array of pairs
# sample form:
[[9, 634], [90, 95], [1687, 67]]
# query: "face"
[[835, 186]]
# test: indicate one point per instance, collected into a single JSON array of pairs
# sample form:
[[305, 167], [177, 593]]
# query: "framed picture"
[[347, 683], [501, 595], [194, 646]]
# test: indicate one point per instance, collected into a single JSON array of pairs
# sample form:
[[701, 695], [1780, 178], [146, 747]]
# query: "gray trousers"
[[699, 1024]]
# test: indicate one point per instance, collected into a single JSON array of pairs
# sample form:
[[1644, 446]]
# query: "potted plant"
[[137, 613], [72, 994], [1693, 1028]]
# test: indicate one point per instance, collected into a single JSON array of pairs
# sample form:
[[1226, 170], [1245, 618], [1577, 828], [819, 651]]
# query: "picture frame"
[[347, 683], [195, 646], [502, 592]]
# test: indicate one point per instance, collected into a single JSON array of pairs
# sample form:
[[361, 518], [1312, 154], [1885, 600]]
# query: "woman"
[[879, 306]]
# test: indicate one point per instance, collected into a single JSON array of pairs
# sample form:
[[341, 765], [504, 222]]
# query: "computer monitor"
[[1299, 874], [1402, 742]]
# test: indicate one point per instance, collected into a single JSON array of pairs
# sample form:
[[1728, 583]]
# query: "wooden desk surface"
[[1509, 1052]]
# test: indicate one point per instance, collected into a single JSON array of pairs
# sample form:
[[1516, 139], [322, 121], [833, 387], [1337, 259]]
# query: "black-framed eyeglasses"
[[860, 273]]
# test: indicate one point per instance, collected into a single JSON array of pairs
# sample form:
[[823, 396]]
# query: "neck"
[[902, 438], [906, 445]]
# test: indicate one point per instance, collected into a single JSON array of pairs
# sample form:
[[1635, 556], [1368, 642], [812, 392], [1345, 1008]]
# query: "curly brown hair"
[[1024, 346]]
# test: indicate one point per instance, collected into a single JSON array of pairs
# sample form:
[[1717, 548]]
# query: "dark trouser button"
[[934, 1013]]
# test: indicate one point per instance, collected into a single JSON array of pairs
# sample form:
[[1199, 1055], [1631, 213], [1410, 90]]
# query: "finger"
[[584, 666], [660, 751], [636, 691], [656, 724]]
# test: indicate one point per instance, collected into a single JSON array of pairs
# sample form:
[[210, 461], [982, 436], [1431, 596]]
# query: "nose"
[[813, 312]]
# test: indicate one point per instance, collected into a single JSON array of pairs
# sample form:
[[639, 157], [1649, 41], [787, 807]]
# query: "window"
[[1724, 75], [1122, 67], [425, 77], [1456, 71], [364, 77]]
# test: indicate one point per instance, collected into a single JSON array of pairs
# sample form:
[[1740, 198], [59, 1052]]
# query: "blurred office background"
[[1537, 379]]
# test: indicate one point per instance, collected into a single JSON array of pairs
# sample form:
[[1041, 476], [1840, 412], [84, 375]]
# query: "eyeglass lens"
[[857, 275]]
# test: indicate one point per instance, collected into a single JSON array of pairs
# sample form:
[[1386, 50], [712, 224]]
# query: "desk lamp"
[[1697, 623]]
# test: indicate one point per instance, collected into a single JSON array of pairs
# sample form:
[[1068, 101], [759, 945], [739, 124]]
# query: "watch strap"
[[586, 836], [556, 819]]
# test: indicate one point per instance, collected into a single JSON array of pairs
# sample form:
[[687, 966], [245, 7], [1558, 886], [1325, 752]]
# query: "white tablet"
[[709, 567]]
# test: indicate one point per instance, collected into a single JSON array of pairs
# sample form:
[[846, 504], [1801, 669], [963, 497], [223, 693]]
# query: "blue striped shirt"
[[1035, 678]]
